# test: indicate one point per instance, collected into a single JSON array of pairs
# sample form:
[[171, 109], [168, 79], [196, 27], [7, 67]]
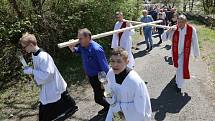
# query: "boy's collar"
[[38, 50]]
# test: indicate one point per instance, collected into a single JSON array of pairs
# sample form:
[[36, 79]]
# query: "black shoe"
[[150, 49], [103, 111], [178, 90], [137, 48], [147, 48], [174, 85]]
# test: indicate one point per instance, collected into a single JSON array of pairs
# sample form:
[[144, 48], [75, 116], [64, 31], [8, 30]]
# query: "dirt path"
[[196, 104]]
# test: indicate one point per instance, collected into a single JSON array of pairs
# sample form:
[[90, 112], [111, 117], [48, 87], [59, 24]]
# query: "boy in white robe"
[[184, 42], [123, 39], [130, 97], [54, 98]]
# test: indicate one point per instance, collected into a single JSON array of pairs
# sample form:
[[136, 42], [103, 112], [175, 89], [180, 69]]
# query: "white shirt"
[[163, 15], [132, 97], [48, 78], [182, 32], [125, 41]]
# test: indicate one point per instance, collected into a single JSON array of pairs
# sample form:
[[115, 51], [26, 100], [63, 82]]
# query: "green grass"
[[137, 37], [17, 98], [206, 34], [70, 68], [206, 37]]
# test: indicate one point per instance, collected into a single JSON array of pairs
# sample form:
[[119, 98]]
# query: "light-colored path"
[[196, 104]]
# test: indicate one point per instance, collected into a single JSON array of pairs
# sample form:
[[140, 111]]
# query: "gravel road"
[[196, 104]]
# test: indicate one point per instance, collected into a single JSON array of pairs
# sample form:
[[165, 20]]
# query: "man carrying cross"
[[94, 61], [123, 39]]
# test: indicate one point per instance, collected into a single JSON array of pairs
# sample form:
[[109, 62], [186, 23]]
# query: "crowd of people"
[[167, 15], [130, 97]]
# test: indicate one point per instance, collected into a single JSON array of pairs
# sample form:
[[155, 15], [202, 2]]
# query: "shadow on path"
[[140, 43], [98, 118], [140, 53], [168, 102], [167, 47]]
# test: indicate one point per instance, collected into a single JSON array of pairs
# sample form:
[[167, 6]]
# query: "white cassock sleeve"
[[167, 36], [142, 101], [46, 69], [115, 39], [195, 44], [132, 31]]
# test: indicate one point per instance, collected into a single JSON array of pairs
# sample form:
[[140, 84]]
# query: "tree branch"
[[16, 8]]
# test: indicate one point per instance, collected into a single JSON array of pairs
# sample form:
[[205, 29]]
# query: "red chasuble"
[[120, 34], [187, 47]]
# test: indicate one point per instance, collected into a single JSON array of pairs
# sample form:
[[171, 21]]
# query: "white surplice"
[[125, 42], [131, 97], [48, 78], [194, 50]]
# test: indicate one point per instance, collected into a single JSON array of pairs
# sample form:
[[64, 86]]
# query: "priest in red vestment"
[[184, 42]]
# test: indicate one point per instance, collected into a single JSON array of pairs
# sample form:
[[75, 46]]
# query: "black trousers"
[[160, 32], [98, 92], [51, 111]]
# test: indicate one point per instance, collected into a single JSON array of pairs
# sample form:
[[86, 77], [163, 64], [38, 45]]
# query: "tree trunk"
[[184, 6], [204, 6], [173, 3], [192, 3]]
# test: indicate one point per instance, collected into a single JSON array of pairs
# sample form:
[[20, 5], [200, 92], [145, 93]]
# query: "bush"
[[53, 22]]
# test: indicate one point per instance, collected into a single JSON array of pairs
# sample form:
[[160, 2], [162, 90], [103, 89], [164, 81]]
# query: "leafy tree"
[[53, 21]]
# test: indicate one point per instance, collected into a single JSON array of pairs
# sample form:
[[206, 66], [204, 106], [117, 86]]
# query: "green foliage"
[[53, 22], [172, 3], [9, 38]]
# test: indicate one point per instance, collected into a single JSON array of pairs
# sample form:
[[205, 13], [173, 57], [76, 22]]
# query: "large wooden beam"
[[152, 24], [76, 41]]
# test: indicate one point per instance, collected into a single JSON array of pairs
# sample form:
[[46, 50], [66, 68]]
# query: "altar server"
[[54, 97], [130, 97]]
